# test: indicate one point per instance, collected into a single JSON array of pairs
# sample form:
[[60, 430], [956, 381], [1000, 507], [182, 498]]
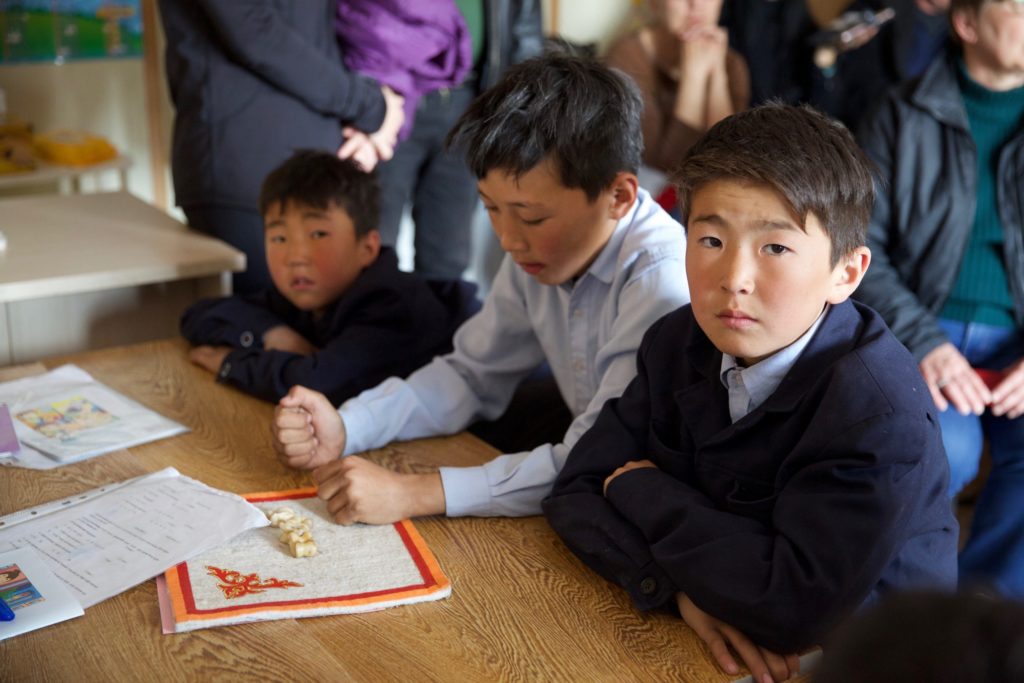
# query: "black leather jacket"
[[513, 34], [927, 171]]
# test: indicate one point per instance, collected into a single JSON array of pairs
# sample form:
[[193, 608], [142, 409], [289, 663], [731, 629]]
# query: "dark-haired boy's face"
[[313, 254], [552, 232], [758, 279]]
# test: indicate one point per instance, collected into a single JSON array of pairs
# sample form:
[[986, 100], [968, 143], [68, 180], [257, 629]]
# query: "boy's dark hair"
[[319, 179], [967, 638], [582, 114], [811, 161]]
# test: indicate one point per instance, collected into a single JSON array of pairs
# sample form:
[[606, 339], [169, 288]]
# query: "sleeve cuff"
[[466, 491], [651, 587], [228, 367], [358, 422]]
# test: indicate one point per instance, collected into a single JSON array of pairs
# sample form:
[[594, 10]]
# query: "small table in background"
[[68, 177], [90, 270]]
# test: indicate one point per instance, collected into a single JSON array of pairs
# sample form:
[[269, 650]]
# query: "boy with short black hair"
[[776, 462], [341, 316], [591, 261]]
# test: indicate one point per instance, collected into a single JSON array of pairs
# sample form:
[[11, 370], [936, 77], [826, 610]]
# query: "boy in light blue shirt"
[[591, 262]]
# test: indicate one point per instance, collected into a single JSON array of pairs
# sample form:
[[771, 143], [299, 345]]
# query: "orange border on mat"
[[434, 580]]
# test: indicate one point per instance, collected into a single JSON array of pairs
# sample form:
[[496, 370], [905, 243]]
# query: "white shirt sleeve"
[[492, 352], [514, 485]]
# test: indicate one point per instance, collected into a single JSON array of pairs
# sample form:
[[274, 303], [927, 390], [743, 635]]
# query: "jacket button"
[[225, 370], [246, 339], [648, 585]]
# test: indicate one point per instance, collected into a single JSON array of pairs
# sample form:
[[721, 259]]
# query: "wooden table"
[[522, 607], [73, 273]]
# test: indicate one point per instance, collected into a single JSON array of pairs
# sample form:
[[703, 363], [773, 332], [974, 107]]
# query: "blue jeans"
[[994, 554], [438, 184]]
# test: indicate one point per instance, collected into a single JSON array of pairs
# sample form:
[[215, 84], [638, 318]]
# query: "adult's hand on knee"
[[308, 432], [1008, 396], [952, 380]]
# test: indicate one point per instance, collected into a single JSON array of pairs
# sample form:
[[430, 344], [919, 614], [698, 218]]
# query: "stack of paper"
[[68, 416], [104, 541]]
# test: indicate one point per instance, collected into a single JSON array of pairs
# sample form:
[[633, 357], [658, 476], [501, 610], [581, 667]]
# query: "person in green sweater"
[[947, 238]]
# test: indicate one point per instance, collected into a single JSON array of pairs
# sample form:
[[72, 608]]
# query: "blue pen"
[[6, 613]]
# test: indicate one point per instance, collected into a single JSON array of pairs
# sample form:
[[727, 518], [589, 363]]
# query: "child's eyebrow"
[[765, 226], [518, 205], [275, 223], [776, 225]]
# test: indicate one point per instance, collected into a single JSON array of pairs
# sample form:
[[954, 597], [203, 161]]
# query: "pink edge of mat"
[[166, 612]]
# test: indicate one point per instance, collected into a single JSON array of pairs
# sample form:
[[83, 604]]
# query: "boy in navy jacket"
[[777, 461], [341, 316]]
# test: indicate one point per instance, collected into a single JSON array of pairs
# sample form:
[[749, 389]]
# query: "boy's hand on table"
[[284, 338], [765, 666], [952, 380], [1008, 396], [631, 465], [357, 490], [308, 431], [209, 357]]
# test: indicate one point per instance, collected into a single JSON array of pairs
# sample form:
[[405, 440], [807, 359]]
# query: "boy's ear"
[[965, 25], [368, 248], [622, 193], [848, 273]]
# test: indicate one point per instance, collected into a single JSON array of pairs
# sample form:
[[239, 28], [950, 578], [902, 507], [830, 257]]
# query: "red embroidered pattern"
[[235, 585]]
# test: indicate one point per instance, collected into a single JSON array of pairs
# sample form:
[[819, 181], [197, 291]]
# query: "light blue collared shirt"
[[750, 387], [588, 332]]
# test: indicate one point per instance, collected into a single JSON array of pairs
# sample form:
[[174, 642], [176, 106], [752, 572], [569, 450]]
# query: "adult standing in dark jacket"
[[947, 236], [434, 180], [252, 81]]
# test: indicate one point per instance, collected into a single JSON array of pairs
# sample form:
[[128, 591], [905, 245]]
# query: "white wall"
[[593, 21]]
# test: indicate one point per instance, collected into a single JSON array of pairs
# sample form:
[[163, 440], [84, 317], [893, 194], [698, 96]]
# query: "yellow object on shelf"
[[74, 147], [16, 154]]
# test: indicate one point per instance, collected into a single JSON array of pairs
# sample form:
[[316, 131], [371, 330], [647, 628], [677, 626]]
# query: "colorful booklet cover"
[[30, 589], [69, 416], [254, 577]]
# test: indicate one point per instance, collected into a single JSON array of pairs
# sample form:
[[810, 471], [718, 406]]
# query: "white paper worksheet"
[[107, 540], [65, 416]]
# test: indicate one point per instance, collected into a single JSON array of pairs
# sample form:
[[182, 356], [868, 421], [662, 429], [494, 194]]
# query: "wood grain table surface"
[[522, 607]]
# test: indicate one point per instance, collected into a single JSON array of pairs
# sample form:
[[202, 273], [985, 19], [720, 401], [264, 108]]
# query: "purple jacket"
[[414, 47]]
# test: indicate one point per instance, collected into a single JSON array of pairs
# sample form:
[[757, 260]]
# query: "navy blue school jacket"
[[388, 323], [827, 494]]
